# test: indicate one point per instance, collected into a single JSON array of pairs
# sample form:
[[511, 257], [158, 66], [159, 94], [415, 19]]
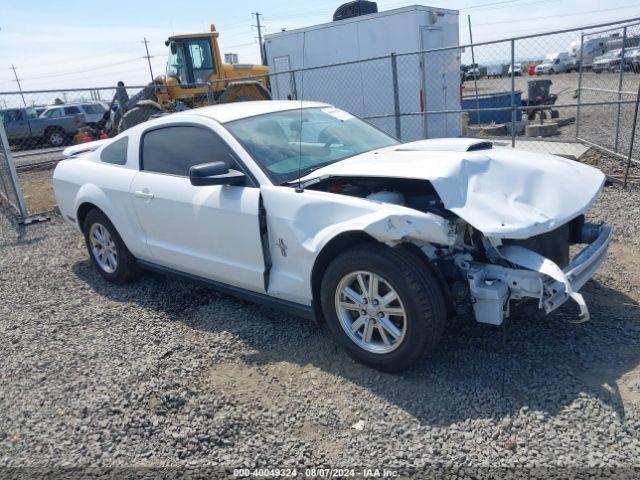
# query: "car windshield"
[[290, 144]]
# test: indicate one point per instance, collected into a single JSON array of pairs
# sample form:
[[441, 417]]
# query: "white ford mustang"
[[305, 207]]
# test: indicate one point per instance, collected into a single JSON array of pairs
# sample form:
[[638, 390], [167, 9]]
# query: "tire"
[[419, 296], [56, 137], [122, 267], [136, 116], [551, 71]]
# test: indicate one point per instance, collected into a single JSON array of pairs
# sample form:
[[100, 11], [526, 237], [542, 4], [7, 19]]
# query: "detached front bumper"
[[493, 286]]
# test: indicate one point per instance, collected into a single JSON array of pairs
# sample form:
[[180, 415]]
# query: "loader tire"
[[136, 116]]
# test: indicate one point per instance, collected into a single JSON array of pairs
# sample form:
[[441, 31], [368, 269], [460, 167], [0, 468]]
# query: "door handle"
[[143, 194]]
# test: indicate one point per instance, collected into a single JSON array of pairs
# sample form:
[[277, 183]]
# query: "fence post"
[[633, 137], [620, 80], [513, 94], [396, 95], [294, 86], [579, 85], [477, 71], [6, 149]]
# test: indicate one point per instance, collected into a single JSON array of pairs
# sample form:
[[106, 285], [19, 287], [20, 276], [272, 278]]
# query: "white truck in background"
[[426, 82], [591, 49]]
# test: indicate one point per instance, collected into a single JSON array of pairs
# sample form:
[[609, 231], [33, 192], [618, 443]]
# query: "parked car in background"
[[23, 126], [557, 62], [92, 111], [337, 221], [517, 70], [472, 73], [606, 62], [627, 61], [635, 61]]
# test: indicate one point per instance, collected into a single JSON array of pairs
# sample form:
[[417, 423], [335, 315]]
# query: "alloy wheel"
[[371, 312], [103, 248]]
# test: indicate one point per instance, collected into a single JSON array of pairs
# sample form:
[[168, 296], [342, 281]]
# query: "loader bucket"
[[244, 92]]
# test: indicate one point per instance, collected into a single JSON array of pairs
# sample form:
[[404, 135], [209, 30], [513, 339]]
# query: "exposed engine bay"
[[416, 194]]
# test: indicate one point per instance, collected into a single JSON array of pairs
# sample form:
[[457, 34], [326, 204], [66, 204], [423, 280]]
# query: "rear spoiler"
[[83, 148]]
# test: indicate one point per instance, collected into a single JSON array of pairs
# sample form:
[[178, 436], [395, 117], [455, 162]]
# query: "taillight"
[[77, 121]]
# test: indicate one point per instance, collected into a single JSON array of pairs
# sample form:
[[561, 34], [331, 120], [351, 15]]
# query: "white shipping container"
[[425, 81]]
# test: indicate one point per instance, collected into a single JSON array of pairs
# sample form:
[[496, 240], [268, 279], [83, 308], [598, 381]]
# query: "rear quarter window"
[[116, 153]]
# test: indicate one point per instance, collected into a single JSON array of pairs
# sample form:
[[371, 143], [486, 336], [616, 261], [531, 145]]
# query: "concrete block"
[[544, 130]]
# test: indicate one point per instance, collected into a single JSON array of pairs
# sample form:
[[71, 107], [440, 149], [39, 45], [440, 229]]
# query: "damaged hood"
[[503, 193]]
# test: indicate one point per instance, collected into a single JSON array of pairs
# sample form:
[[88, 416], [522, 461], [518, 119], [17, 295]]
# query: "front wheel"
[[383, 306], [108, 252]]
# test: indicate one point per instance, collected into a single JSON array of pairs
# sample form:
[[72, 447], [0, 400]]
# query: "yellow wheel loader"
[[195, 77]]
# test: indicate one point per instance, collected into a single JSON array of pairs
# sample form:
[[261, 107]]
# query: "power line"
[[560, 15]]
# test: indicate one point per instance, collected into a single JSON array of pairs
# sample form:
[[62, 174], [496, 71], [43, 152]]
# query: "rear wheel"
[[383, 306], [56, 137], [107, 250]]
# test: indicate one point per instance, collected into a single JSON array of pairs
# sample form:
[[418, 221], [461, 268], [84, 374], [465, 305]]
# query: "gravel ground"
[[162, 373]]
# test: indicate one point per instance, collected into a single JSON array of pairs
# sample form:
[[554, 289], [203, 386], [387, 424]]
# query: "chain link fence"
[[560, 92], [10, 190]]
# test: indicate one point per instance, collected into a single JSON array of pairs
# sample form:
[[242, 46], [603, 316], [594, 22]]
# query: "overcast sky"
[[73, 43]]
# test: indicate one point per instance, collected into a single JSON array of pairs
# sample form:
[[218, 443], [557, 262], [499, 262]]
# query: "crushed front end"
[[539, 268]]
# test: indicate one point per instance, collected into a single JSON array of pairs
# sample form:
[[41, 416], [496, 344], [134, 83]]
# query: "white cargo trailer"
[[426, 82]]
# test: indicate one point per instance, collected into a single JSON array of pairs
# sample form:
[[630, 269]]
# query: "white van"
[[591, 48], [556, 62]]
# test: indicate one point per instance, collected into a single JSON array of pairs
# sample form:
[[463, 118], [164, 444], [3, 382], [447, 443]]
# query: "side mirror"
[[215, 173]]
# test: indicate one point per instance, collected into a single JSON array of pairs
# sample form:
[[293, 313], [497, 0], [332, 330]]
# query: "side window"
[[173, 150], [201, 60], [176, 63], [116, 153], [12, 116], [53, 113], [71, 110]]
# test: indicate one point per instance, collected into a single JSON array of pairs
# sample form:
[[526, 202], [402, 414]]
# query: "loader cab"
[[193, 59]]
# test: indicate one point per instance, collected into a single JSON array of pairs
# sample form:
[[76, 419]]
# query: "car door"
[[16, 125], [208, 231]]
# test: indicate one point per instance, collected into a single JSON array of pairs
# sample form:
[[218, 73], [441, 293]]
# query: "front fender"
[[300, 225]]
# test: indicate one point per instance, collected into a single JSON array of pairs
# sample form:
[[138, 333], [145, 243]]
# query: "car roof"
[[228, 112]]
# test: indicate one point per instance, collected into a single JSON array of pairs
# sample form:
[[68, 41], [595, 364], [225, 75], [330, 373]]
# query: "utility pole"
[[15, 74], [147, 56], [260, 27], [476, 72]]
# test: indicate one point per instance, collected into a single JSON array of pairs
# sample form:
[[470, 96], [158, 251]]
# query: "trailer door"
[[434, 91], [282, 83]]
